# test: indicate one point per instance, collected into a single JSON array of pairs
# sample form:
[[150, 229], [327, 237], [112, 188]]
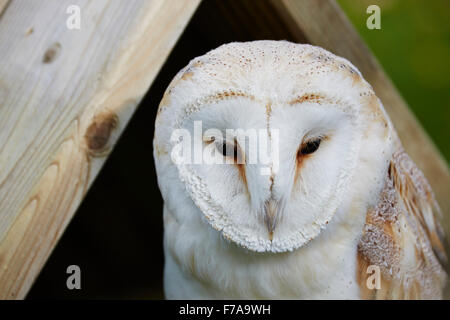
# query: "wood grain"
[[65, 97], [323, 23]]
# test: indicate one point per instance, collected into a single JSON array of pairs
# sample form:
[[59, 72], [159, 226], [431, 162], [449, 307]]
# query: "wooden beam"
[[65, 97], [323, 23]]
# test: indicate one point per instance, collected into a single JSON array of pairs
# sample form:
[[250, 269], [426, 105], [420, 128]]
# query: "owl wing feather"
[[403, 238]]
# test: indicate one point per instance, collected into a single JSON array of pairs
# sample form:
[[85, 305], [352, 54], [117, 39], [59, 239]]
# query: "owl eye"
[[310, 146], [229, 150]]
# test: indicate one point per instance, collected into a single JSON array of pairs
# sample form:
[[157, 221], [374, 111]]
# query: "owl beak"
[[271, 213]]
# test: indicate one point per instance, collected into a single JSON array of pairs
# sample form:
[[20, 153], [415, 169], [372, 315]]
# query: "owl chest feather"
[[200, 264]]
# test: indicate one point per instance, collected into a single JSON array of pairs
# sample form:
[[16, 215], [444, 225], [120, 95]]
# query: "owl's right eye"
[[310, 146], [227, 149]]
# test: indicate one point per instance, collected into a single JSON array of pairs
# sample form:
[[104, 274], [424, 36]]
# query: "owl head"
[[266, 138]]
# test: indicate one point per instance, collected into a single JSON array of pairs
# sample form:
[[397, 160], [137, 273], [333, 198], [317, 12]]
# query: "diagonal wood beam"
[[65, 97]]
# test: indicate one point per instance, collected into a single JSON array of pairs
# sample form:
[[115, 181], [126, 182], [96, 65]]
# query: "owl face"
[[266, 152]]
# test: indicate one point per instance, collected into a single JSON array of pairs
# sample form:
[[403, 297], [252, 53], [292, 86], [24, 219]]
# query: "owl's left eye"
[[310, 146], [229, 150]]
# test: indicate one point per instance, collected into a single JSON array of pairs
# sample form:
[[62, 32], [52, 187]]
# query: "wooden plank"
[[65, 97], [323, 23]]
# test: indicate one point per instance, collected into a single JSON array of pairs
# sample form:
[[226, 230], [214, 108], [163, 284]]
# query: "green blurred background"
[[413, 46]]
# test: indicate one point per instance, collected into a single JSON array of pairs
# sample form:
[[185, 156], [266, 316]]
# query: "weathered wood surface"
[[65, 96]]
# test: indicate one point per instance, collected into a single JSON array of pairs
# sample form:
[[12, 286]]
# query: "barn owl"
[[337, 210]]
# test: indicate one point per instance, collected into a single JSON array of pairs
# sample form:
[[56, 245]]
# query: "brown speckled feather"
[[403, 237]]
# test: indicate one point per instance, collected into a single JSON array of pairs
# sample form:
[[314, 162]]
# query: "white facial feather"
[[302, 91]]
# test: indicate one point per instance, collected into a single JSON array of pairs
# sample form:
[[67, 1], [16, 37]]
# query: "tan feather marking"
[[308, 97], [165, 102], [239, 161], [188, 71], [184, 74], [317, 98], [403, 218], [420, 199], [166, 99], [374, 109], [340, 66], [362, 263], [301, 159], [362, 277], [229, 94], [298, 166], [160, 150], [322, 100], [354, 75], [219, 96], [242, 175], [187, 75]]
